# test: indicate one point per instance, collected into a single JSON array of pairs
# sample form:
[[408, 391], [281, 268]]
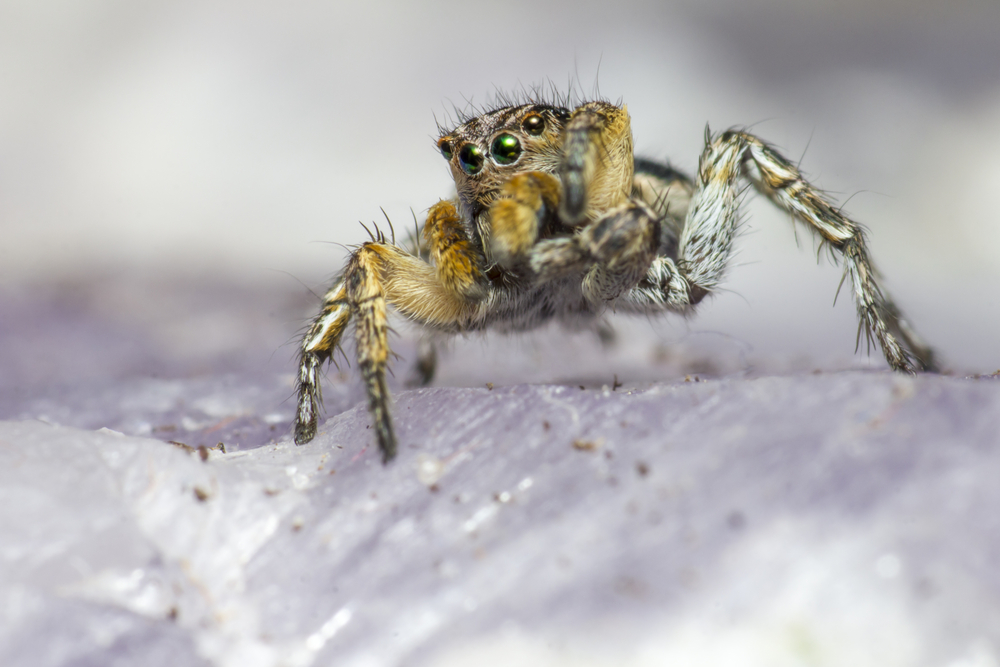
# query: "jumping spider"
[[554, 218]]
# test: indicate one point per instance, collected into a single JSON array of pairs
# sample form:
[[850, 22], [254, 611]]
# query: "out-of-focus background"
[[178, 173]]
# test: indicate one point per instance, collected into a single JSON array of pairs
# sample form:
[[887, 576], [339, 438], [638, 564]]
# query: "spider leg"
[[458, 262], [367, 298], [423, 371], [784, 185], [617, 235], [710, 227], [318, 345], [377, 274], [613, 253], [597, 166], [518, 215]]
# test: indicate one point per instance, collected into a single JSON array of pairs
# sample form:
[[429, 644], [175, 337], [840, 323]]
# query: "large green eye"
[[445, 147], [471, 159], [506, 149]]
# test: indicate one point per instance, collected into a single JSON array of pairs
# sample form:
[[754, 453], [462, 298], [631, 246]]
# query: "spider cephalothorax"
[[554, 218]]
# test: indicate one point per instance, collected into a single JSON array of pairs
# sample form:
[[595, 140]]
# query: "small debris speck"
[[587, 445]]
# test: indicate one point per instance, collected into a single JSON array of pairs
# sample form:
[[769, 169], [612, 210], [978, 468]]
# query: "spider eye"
[[471, 159], [533, 124], [445, 147], [506, 149]]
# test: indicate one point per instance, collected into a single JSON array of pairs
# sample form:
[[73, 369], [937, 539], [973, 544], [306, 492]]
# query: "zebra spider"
[[554, 218]]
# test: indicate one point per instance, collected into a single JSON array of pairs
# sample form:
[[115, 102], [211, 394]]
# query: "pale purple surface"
[[841, 517]]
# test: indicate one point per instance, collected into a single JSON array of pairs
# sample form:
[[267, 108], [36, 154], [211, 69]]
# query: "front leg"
[[441, 297], [613, 253], [597, 164], [359, 293], [458, 263], [518, 217]]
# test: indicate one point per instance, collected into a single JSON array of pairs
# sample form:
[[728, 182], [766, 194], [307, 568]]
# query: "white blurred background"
[[229, 142]]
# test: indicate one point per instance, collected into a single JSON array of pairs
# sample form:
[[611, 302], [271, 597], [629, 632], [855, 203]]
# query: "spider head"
[[487, 150]]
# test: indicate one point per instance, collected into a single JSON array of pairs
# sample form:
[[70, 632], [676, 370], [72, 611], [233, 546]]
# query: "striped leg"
[[710, 227], [613, 253], [442, 297], [879, 316], [318, 345]]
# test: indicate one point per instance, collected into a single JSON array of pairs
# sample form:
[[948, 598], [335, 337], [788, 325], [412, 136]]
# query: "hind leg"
[[710, 227]]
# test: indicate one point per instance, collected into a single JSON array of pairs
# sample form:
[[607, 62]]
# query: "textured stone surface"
[[836, 519]]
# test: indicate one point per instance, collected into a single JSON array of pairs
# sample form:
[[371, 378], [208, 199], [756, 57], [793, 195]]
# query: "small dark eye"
[[445, 147], [533, 124], [471, 159], [506, 149]]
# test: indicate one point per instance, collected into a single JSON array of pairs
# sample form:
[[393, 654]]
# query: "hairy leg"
[[706, 243], [879, 316], [444, 297], [458, 263], [613, 253], [318, 345], [597, 165], [519, 215]]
